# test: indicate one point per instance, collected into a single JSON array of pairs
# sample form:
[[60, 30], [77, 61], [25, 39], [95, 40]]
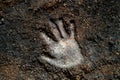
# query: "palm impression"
[[66, 50]]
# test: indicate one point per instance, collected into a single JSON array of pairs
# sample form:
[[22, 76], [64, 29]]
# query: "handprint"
[[66, 50]]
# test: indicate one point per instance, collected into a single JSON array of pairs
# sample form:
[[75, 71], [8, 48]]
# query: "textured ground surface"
[[97, 32]]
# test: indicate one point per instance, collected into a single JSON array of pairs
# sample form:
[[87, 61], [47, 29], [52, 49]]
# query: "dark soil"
[[97, 32]]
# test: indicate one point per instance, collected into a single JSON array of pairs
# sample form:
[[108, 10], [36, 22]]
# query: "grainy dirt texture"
[[97, 33]]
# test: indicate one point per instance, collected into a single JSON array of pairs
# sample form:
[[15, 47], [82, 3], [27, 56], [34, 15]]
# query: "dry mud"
[[97, 33]]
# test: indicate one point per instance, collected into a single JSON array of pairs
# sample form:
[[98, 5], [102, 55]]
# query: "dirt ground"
[[97, 32]]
